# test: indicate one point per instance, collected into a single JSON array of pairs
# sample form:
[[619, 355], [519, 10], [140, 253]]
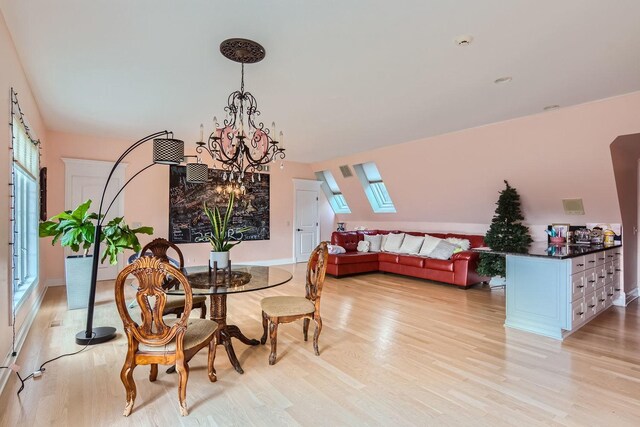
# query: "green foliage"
[[76, 230], [220, 239], [506, 233]]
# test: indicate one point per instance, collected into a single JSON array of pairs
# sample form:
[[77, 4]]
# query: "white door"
[[306, 224], [84, 180]]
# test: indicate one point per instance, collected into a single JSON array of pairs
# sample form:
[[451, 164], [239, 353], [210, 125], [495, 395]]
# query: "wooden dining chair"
[[286, 309], [156, 340], [175, 304]]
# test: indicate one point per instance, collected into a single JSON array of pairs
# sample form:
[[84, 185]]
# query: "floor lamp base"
[[100, 335]]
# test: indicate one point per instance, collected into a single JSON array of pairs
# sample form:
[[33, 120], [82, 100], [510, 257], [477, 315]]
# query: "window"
[[332, 191], [374, 188], [24, 213]]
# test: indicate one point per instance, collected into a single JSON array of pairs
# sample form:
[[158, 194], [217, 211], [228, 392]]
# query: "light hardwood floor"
[[394, 351]]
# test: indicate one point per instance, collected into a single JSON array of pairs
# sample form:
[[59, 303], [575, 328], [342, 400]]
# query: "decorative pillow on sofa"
[[375, 242], [443, 250], [393, 243], [363, 246], [429, 245], [463, 244], [411, 244], [335, 249], [383, 242]]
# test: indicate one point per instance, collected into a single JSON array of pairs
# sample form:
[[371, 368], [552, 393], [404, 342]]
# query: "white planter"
[[78, 280], [222, 258]]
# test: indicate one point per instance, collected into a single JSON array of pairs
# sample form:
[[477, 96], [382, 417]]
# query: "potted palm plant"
[[221, 241], [76, 229]]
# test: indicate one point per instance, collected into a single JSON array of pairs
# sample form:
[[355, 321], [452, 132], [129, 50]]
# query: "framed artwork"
[[561, 229]]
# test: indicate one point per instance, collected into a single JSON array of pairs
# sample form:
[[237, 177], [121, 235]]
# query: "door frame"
[[306, 185], [119, 174]]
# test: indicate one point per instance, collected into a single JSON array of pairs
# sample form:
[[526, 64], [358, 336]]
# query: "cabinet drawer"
[[609, 294], [589, 261], [617, 265], [601, 275], [610, 254], [609, 271], [590, 280], [578, 313], [577, 286], [617, 253], [601, 257], [601, 300], [591, 306], [578, 264]]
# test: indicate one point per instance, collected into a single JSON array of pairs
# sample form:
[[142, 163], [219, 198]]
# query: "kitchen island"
[[555, 290]]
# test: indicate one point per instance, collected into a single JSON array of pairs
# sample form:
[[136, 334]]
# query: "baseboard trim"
[[631, 296], [21, 336], [55, 282]]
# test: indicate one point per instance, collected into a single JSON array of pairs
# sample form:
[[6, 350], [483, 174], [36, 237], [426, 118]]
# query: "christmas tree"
[[506, 233]]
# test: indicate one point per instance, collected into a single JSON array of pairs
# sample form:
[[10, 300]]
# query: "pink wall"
[[451, 182], [147, 199], [12, 75]]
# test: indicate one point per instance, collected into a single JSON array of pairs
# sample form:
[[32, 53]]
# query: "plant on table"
[[506, 233], [220, 239]]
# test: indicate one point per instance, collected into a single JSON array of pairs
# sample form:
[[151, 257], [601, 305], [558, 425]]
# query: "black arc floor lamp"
[[167, 151]]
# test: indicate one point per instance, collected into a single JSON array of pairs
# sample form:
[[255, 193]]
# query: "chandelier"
[[242, 143]]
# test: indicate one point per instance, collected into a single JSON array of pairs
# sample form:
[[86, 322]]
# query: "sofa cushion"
[[375, 242], [353, 258], [363, 246], [443, 250], [413, 261], [411, 244], [438, 264], [462, 244], [429, 244], [475, 240], [393, 243], [388, 257]]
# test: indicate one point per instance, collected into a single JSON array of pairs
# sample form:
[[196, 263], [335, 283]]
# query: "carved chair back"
[[316, 269], [159, 248], [151, 273]]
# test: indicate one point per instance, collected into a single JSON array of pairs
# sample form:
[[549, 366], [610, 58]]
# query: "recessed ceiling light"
[[464, 40], [505, 79], [551, 107]]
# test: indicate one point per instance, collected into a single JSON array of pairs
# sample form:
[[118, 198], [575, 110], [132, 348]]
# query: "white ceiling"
[[339, 76]]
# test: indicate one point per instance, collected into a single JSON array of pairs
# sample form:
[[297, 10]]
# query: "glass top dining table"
[[242, 278]]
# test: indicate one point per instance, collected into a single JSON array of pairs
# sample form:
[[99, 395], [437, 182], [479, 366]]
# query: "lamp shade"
[[197, 173], [168, 151]]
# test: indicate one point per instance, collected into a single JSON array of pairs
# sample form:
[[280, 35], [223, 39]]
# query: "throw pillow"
[[394, 241], [335, 249], [429, 245], [464, 244], [411, 244], [383, 242], [363, 246], [375, 242], [443, 250]]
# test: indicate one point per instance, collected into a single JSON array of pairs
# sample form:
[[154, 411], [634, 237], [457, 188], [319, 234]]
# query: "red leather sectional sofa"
[[459, 270]]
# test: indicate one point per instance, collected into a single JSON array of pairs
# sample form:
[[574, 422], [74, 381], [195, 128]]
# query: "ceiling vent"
[[573, 206], [346, 171]]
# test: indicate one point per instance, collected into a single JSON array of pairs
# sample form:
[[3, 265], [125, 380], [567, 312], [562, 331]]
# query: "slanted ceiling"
[[340, 77]]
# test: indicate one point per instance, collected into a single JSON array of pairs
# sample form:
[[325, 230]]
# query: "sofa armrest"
[[465, 255]]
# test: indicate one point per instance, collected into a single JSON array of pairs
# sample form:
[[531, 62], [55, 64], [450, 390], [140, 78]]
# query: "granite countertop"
[[544, 250]]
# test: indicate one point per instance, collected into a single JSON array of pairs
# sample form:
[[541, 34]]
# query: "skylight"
[[333, 193], [374, 188]]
